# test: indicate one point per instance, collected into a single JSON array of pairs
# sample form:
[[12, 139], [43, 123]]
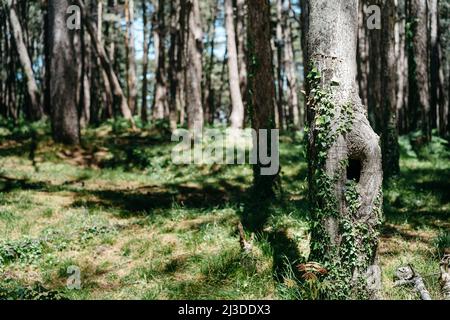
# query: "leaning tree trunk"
[[35, 111], [345, 174], [63, 70], [237, 106], [193, 77], [418, 68], [107, 67], [389, 141]]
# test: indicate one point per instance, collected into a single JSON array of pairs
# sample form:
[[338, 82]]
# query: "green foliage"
[[442, 242], [12, 290], [25, 250], [411, 147]]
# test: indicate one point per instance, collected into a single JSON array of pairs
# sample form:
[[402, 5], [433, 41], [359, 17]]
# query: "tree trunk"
[[345, 174], [130, 60], [174, 63], [208, 90], [363, 55], [402, 67], [374, 89], [108, 68], [63, 89], [241, 32], [237, 106], [35, 111], [159, 31], [290, 68], [193, 71], [389, 141], [418, 69], [437, 88], [279, 45], [261, 101], [146, 42]]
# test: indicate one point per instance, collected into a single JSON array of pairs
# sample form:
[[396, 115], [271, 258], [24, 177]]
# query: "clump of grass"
[[442, 242], [23, 250], [13, 290]]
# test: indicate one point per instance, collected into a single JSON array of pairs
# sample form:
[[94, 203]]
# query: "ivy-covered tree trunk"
[[345, 175]]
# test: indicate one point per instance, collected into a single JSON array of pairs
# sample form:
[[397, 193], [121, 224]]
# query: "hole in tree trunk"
[[354, 170]]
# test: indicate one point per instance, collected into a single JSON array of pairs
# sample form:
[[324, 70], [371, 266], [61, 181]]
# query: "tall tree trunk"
[[193, 76], [290, 68], [108, 68], [159, 31], [363, 54], [279, 45], [418, 68], [241, 32], [374, 89], [130, 60], [437, 88], [402, 66], [389, 141], [174, 63], [35, 111], [261, 101], [237, 106], [63, 89], [345, 174], [208, 88], [85, 92], [146, 42]]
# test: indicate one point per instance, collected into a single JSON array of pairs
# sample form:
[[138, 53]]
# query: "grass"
[[138, 227]]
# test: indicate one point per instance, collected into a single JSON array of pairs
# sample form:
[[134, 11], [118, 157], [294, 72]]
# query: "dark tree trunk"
[[159, 32], [146, 41], [261, 102], [63, 89], [419, 92], [389, 141]]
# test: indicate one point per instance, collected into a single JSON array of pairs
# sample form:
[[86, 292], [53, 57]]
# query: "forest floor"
[[139, 227]]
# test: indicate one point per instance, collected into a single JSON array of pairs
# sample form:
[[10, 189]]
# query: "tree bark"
[[35, 112], [389, 141], [146, 41], [63, 89], [237, 106], [261, 101], [175, 63], [159, 31], [130, 52], [279, 45], [418, 69], [241, 32], [345, 174], [290, 68], [193, 70]]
